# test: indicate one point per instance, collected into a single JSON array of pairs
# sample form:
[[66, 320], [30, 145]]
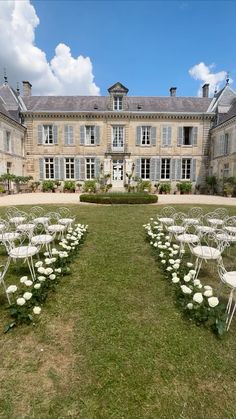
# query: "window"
[[48, 134], [165, 168], [226, 170], [186, 169], [226, 144], [8, 142], [117, 103], [89, 134], [118, 137], [70, 167], [187, 138], [145, 135], [145, 168], [49, 168], [90, 168]]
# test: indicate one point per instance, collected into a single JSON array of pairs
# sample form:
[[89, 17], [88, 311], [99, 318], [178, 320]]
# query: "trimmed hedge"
[[119, 198]]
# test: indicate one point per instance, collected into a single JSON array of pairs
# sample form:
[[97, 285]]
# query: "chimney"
[[173, 91], [26, 88], [205, 90]]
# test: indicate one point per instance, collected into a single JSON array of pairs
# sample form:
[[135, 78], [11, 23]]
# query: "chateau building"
[[155, 138]]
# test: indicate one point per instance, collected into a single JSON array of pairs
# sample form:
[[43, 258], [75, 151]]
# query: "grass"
[[110, 342]]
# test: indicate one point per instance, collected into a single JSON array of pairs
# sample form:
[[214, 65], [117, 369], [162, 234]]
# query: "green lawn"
[[110, 343]]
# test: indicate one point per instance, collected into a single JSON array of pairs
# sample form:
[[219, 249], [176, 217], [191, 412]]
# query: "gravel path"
[[73, 198]]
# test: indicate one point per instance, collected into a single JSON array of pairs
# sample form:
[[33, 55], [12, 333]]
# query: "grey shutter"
[[180, 136], [173, 169], [229, 143], [138, 135], [40, 134], [153, 135], [5, 141], [66, 134], [97, 134], [56, 168], [82, 134], [41, 168], [12, 145], [155, 168], [194, 136], [62, 168], [77, 168], [55, 139], [178, 169], [82, 168], [164, 136], [193, 170], [97, 167], [138, 168], [169, 131]]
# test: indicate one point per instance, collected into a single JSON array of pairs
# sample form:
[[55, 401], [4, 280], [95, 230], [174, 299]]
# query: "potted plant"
[[57, 184], [165, 188], [184, 187], [79, 186], [35, 186], [69, 186], [48, 186]]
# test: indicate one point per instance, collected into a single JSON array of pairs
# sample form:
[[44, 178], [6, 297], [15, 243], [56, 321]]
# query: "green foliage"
[[104, 186], [144, 186], [34, 185], [69, 185], [120, 198], [184, 187], [2, 189], [165, 187], [211, 181], [90, 186], [47, 185]]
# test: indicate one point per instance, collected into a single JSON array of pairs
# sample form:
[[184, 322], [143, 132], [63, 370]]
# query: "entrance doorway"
[[117, 173]]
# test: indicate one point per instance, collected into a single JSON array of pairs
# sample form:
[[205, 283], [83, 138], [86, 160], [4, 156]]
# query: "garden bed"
[[119, 198]]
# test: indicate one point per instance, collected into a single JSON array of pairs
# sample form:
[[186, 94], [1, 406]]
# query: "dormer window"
[[117, 103]]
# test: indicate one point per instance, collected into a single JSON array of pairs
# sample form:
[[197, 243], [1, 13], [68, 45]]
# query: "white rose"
[[198, 298], [37, 310], [37, 286], [175, 246], [190, 306], [213, 301], [187, 278], [176, 266], [196, 282], [169, 268], [207, 287], [23, 279], [20, 301], [46, 254], [171, 261], [38, 264], [175, 279], [185, 289], [174, 274], [48, 271], [11, 289], [189, 264], [58, 270], [41, 278], [28, 283], [41, 270], [27, 295], [208, 293], [163, 261], [192, 272], [52, 276]]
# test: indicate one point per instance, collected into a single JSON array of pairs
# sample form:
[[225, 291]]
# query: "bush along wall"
[[119, 198]]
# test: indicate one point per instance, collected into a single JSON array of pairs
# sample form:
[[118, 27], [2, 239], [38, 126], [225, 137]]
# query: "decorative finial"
[[5, 75], [18, 88], [227, 77], [215, 91]]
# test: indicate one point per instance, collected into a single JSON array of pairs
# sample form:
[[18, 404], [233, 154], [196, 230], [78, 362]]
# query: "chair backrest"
[[36, 211], [179, 218], [64, 212], [217, 239], [167, 212], [230, 221], [221, 212], [195, 212]]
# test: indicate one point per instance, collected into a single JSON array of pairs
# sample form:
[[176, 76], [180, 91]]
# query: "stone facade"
[[168, 139]]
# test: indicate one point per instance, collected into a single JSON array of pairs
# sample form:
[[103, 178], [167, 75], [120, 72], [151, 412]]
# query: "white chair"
[[178, 227], [15, 216], [193, 216], [55, 228], [228, 278], [166, 217], [66, 218], [3, 272], [42, 239], [217, 217], [23, 250], [210, 249]]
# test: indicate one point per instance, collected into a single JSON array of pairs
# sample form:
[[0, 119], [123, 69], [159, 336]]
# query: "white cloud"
[[205, 74], [25, 61]]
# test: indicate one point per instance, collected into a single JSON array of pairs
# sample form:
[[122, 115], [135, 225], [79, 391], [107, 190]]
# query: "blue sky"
[[148, 46]]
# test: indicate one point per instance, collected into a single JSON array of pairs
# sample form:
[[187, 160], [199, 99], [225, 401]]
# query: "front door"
[[117, 173]]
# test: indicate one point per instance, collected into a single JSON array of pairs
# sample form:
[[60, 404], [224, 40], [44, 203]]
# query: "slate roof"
[[101, 103], [229, 115], [11, 102], [3, 110]]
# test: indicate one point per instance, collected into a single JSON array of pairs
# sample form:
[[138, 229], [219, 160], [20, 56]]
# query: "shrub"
[[69, 185], [184, 187], [165, 188], [144, 185], [89, 186], [120, 198], [47, 186]]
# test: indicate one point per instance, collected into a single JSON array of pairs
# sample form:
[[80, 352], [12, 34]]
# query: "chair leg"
[[232, 314]]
